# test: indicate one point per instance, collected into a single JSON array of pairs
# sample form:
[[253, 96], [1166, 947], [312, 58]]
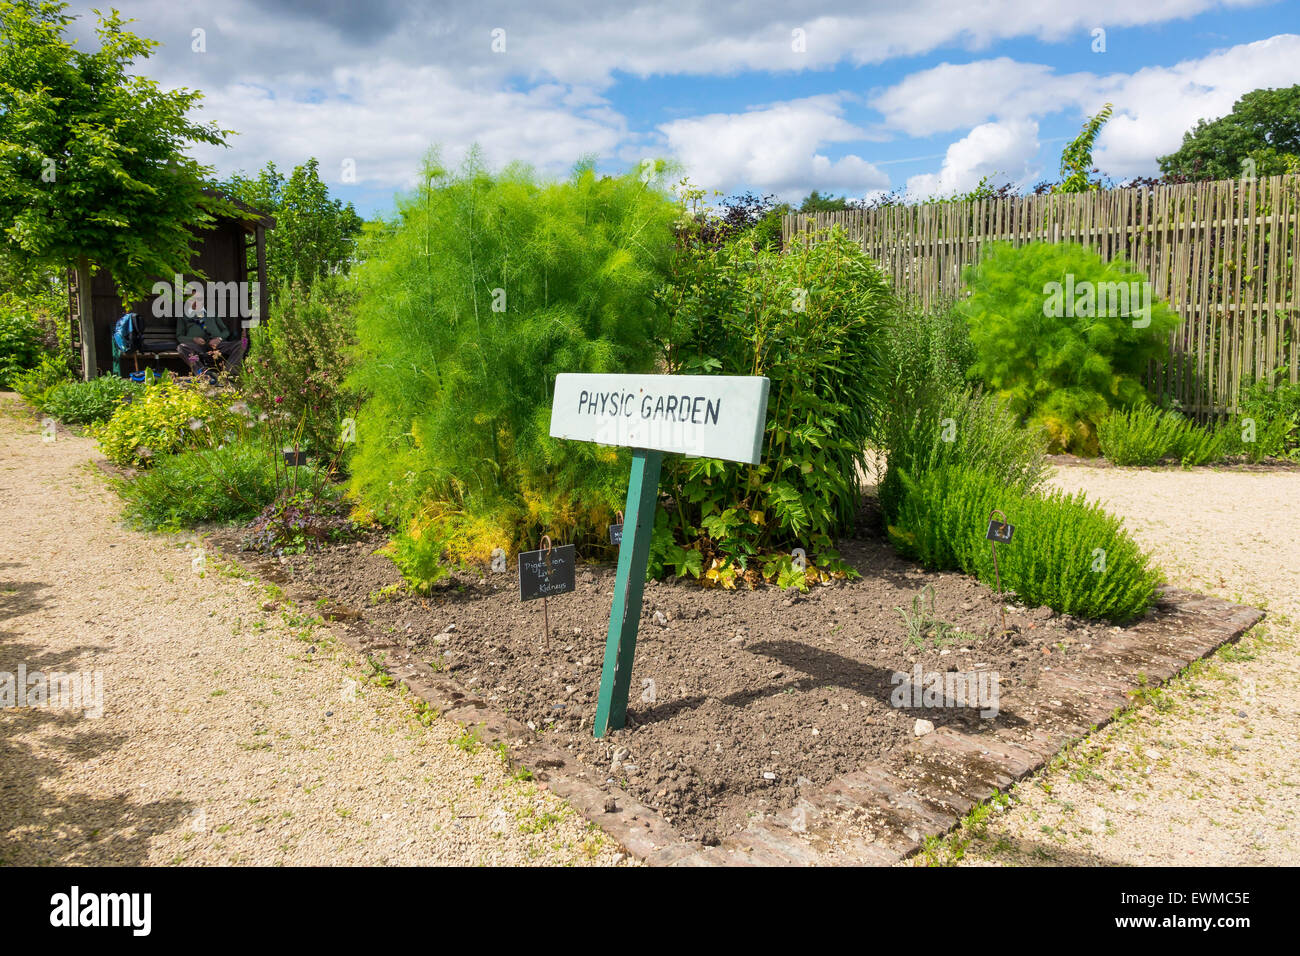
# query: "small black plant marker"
[[999, 531]]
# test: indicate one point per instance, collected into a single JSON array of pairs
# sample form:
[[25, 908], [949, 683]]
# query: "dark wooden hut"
[[222, 254]]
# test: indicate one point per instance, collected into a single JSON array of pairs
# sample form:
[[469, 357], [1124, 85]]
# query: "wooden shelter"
[[220, 253]]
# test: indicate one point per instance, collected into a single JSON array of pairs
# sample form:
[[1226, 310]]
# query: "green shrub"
[[1066, 553], [810, 320], [926, 354], [166, 418], [89, 403], [1199, 444], [1147, 435], [1054, 337], [35, 384], [21, 344], [297, 521], [419, 551], [1268, 412], [471, 301], [301, 355], [931, 430], [1268, 434], [229, 483]]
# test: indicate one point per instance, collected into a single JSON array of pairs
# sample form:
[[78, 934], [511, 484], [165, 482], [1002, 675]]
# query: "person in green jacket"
[[204, 340]]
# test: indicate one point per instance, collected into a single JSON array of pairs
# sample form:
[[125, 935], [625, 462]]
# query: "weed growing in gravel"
[[467, 740]]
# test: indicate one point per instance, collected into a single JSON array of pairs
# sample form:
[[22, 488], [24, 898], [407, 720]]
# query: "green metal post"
[[625, 615]]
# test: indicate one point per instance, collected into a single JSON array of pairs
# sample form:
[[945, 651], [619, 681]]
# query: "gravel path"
[[230, 733], [1208, 772]]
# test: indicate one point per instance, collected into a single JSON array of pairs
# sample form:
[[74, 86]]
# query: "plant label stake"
[[708, 416], [545, 572], [999, 532], [616, 531]]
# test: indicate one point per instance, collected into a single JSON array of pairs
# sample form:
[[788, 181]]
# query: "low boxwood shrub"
[[166, 418], [89, 403], [1067, 553]]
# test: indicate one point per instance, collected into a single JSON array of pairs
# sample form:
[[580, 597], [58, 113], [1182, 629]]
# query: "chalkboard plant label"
[[616, 534], [546, 573], [294, 457], [999, 531]]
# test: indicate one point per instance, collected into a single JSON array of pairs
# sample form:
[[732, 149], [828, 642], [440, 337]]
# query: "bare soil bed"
[[740, 699]]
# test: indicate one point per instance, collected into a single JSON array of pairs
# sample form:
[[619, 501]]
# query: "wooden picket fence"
[[1225, 254]]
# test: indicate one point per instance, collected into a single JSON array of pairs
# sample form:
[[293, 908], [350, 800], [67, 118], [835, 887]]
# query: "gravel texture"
[[1207, 771], [234, 730]]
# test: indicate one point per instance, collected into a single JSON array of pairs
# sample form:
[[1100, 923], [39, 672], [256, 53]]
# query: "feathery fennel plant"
[[482, 289]]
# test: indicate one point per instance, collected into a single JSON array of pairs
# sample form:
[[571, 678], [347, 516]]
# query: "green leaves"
[[808, 319], [92, 160], [314, 236], [1067, 553], [1263, 127], [481, 290], [1063, 335]]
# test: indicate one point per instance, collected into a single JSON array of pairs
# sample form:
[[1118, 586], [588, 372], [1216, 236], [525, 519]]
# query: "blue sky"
[[846, 97]]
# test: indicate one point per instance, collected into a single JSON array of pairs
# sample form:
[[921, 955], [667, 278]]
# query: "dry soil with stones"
[[233, 729]]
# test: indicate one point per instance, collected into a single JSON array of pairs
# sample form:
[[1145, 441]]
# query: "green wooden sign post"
[[713, 416], [629, 583]]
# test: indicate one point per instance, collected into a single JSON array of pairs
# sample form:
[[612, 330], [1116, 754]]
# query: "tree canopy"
[[1264, 126], [314, 235], [92, 163]]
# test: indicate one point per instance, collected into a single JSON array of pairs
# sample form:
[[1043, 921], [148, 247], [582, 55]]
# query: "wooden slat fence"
[[1225, 254]]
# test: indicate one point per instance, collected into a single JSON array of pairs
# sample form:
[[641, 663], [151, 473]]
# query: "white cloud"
[[959, 96], [1152, 107], [386, 116], [775, 148], [1156, 105], [997, 150]]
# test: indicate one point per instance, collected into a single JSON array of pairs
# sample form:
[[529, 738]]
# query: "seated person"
[[203, 340]]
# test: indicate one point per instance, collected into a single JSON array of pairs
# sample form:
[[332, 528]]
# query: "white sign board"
[[708, 416]]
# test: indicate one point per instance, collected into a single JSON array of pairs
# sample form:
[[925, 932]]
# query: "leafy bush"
[[89, 403], [934, 430], [1147, 435], [35, 384], [1265, 435], [21, 344], [482, 290], [297, 521], [1271, 411], [228, 483], [1067, 553], [301, 356], [1057, 334], [926, 354], [809, 320], [166, 418]]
